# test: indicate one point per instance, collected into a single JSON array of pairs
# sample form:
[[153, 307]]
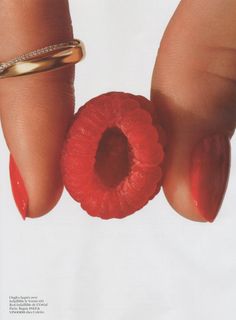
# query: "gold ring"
[[43, 59]]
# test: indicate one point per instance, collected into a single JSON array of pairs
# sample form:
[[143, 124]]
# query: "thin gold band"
[[44, 59]]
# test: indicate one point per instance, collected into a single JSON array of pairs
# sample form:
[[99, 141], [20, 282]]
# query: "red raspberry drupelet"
[[111, 161]]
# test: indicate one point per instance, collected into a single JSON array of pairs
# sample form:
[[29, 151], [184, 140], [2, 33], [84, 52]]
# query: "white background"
[[151, 265]]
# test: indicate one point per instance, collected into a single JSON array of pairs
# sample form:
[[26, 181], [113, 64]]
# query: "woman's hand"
[[194, 85], [37, 109]]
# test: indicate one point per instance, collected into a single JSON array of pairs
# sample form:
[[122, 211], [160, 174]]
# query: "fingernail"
[[209, 174], [18, 189]]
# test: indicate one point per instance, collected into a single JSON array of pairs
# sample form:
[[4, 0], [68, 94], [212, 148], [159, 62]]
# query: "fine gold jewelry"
[[44, 59]]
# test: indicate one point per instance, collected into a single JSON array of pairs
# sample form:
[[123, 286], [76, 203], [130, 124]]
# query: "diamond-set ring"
[[43, 59]]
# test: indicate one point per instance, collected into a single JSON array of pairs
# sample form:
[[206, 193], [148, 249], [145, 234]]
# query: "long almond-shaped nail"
[[18, 189], [209, 174]]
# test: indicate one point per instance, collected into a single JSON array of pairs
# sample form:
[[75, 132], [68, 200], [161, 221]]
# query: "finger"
[[194, 85], [35, 109]]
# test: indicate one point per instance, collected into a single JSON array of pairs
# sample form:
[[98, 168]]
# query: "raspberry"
[[111, 160]]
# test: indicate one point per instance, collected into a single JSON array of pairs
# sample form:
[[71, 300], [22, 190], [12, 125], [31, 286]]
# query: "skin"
[[191, 86], [194, 85], [36, 108]]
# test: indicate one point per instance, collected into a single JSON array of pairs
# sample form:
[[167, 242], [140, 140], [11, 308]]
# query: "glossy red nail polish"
[[18, 189], [209, 174]]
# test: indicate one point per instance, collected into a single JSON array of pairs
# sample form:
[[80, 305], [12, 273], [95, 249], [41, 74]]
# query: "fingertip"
[[44, 204], [197, 173], [177, 192], [33, 196]]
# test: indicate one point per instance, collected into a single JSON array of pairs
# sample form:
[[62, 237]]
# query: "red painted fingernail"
[[18, 189], [209, 174]]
